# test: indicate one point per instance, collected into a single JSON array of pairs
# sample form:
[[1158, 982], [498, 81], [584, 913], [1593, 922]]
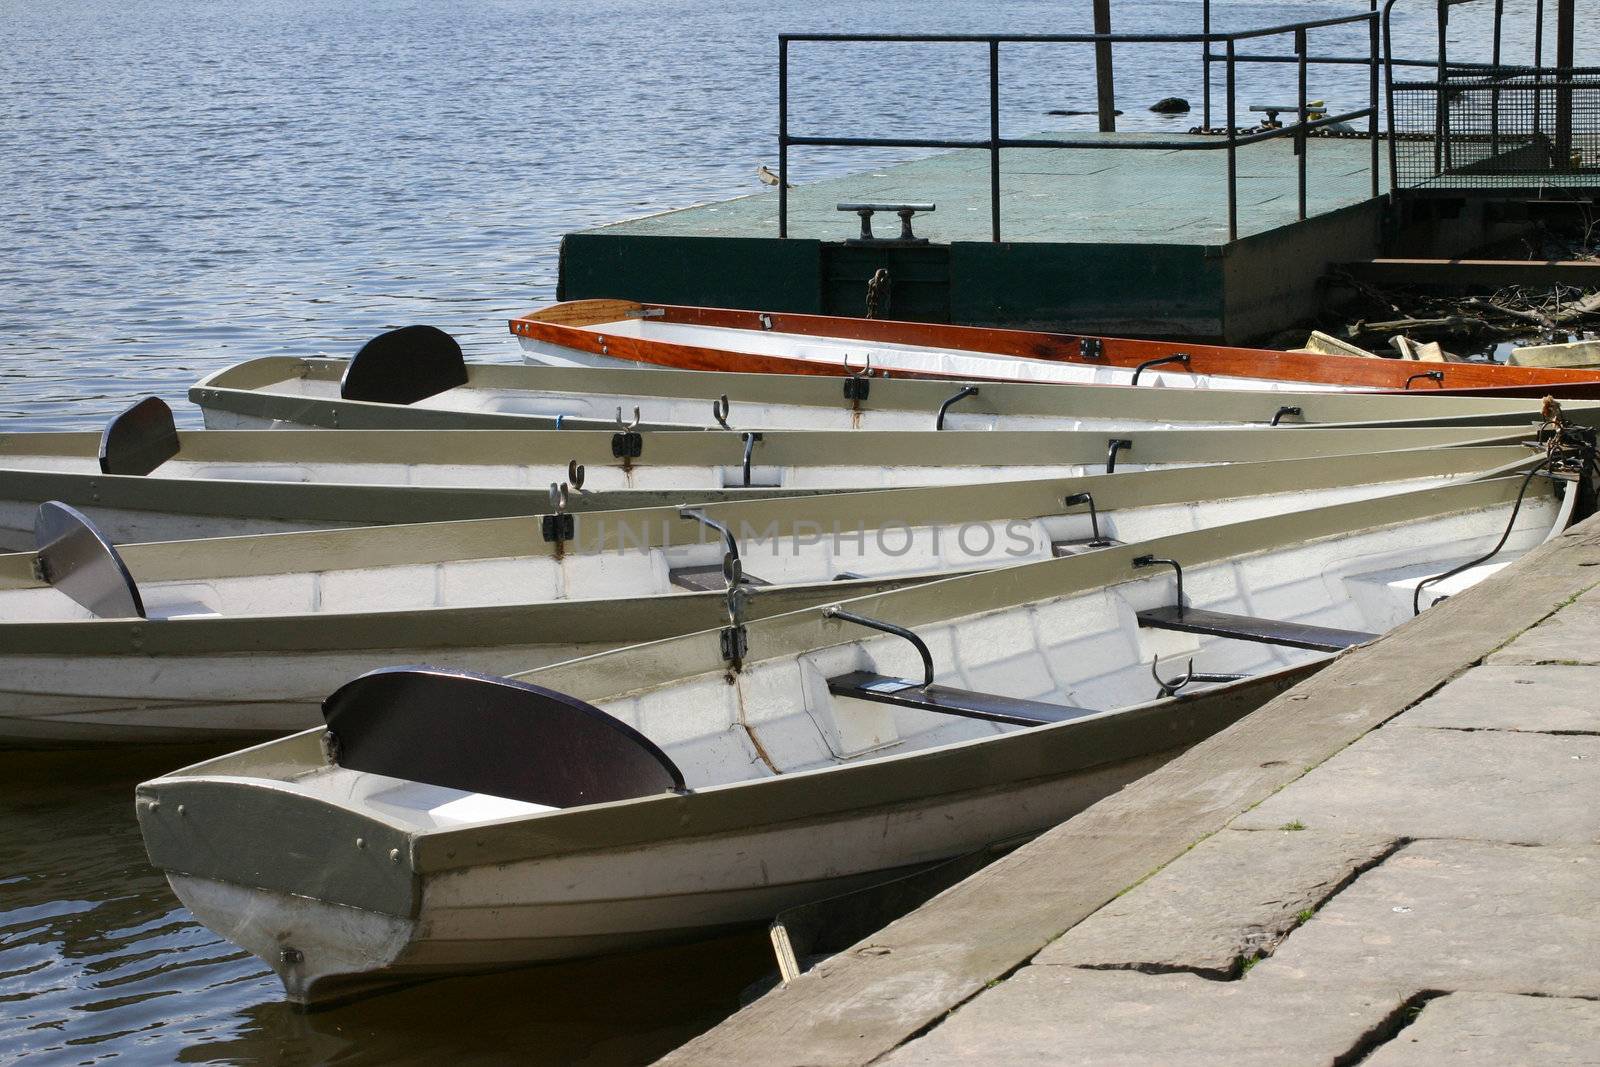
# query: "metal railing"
[[1230, 142], [1208, 57], [1493, 125]]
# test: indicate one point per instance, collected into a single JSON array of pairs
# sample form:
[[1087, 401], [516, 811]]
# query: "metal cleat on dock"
[[905, 211]]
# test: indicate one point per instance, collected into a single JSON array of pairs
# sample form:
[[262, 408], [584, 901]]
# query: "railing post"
[[1441, 105], [783, 136], [994, 140], [1538, 67], [1565, 22], [1105, 91], [1497, 76], [1205, 65], [1372, 92], [1301, 142], [1233, 149], [1388, 90]]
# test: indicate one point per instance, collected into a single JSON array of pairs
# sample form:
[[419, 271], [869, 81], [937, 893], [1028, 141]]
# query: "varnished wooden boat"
[[156, 483], [240, 636], [447, 823], [613, 333]]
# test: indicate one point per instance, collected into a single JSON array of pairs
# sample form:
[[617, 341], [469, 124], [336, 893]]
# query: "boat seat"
[[706, 578], [140, 439], [1014, 711], [404, 366], [72, 556], [482, 734], [1248, 628]]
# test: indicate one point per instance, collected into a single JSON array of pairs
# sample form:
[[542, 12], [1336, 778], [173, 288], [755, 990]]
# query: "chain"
[[878, 293]]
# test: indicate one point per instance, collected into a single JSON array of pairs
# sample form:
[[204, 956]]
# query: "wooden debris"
[[1573, 354], [1327, 345]]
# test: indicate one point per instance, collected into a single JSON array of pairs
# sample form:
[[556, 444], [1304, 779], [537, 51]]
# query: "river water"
[[188, 184]]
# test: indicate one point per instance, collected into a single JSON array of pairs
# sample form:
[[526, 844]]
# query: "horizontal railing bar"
[[883, 142], [1074, 38], [1196, 144], [1499, 86], [1362, 61]]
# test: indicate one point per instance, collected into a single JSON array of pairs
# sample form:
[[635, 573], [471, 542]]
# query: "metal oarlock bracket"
[[888, 628], [1094, 516], [1190, 675], [1277, 416], [1169, 688], [856, 385], [1179, 358], [719, 411], [629, 443], [966, 391], [1091, 348], [1113, 446], [734, 640], [1152, 561], [1434, 376], [559, 527], [750, 440]]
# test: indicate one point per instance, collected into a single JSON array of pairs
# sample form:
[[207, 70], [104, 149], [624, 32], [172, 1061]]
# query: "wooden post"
[[1565, 20], [1105, 94]]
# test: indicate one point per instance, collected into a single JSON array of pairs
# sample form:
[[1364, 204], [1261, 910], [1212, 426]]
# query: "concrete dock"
[[1395, 863], [1117, 240]]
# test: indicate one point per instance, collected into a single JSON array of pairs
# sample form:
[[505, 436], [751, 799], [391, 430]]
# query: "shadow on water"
[[99, 961]]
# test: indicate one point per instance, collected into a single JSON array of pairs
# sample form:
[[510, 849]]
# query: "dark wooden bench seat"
[[1248, 628], [864, 685]]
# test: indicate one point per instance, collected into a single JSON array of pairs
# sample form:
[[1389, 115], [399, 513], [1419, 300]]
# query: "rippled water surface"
[[188, 184]]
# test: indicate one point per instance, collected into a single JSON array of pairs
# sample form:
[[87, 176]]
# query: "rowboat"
[[244, 636], [143, 480], [619, 333], [440, 391], [671, 789]]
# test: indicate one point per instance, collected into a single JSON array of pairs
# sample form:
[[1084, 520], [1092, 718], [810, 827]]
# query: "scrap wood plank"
[[880, 993], [1494, 273]]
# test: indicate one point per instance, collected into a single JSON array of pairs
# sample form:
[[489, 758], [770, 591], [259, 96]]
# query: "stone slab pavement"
[[1425, 890]]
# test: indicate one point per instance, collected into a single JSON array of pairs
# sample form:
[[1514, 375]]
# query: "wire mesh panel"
[[1501, 127]]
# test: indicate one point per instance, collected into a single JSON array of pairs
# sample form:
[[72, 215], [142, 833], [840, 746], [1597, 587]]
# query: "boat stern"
[[328, 899]]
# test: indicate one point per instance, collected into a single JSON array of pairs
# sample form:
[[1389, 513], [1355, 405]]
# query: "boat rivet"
[[182, 810], [361, 842], [155, 805], [394, 855]]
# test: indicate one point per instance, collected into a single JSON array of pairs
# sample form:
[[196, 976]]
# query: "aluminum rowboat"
[[242, 637], [217, 483], [819, 763], [277, 392]]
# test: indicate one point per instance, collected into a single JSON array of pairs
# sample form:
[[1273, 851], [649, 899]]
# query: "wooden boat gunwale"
[[569, 325]]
